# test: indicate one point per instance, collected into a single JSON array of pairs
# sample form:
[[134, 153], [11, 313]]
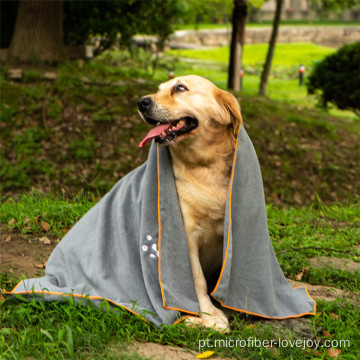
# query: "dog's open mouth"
[[169, 131]]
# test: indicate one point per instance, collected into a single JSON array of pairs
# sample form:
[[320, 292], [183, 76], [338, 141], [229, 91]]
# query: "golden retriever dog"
[[200, 123]]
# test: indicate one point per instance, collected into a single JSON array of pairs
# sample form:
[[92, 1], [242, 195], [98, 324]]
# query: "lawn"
[[93, 106], [70, 140], [287, 55], [268, 23], [283, 83], [71, 331]]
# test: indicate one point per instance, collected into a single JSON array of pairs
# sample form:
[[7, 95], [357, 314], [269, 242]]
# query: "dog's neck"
[[219, 148]]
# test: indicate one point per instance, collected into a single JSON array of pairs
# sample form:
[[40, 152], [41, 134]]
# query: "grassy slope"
[[69, 135], [101, 132]]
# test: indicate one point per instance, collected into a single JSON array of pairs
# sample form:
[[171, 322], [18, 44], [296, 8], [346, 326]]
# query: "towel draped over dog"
[[131, 249]]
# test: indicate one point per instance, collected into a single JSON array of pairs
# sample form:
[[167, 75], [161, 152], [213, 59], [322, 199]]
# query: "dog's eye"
[[180, 87]]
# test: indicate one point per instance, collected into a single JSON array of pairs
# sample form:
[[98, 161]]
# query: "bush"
[[336, 78]]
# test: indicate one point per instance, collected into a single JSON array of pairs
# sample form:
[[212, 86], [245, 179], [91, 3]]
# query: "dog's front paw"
[[215, 319]]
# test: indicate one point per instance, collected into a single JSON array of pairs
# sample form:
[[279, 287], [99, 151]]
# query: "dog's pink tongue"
[[154, 132]]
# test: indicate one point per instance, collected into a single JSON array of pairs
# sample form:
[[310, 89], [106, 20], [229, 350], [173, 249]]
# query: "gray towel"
[[131, 250]]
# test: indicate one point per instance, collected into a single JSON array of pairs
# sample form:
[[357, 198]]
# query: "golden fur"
[[202, 162]]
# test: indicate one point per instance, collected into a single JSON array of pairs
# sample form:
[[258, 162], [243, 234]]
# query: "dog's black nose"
[[145, 103]]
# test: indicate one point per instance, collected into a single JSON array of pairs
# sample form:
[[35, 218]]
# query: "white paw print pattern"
[[151, 249]]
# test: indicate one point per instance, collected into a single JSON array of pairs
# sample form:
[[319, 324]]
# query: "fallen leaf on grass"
[[8, 239], [40, 266], [45, 240], [301, 274], [26, 229], [327, 334], [315, 352], [11, 222], [205, 355], [298, 198], [333, 353], [334, 316], [65, 230], [273, 349], [45, 226], [250, 326]]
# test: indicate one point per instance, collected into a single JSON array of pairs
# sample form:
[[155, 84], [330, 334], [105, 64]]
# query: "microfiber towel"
[[131, 250]]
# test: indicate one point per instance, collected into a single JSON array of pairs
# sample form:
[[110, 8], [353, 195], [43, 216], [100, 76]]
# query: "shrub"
[[336, 78]]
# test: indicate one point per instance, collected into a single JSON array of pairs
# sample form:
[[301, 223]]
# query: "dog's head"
[[189, 107]]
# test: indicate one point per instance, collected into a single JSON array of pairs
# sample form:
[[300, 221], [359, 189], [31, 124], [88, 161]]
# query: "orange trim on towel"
[[159, 243], [12, 292], [228, 240], [225, 259], [269, 317], [306, 289], [159, 223], [183, 318], [272, 317]]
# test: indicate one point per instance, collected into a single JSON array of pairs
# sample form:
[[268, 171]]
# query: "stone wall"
[[334, 36]]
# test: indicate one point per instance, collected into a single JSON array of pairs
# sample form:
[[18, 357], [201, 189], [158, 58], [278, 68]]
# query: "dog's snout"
[[145, 103]]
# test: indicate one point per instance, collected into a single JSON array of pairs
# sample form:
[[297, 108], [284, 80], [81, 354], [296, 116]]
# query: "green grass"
[[101, 127], [300, 234], [333, 228], [283, 84], [268, 23], [32, 208], [70, 331], [285, 54]]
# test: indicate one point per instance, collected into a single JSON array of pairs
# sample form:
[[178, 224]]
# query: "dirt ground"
[[27, 254]]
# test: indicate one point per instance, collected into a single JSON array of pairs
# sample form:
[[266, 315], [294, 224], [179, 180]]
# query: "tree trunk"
[[272, 43], [38, 32], [240, 13]]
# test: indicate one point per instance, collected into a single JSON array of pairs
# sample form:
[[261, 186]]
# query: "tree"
[[336, 79], [240, 13], [271, 48], [42, 27], [8, 12], [38, 32]]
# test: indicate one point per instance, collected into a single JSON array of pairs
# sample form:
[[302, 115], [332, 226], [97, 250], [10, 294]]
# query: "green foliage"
[[324, 7], [104, 20], [211, 11], [107, 19], [336, 78]]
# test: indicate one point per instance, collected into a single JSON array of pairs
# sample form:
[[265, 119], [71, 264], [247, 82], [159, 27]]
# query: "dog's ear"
[[232, 110]]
